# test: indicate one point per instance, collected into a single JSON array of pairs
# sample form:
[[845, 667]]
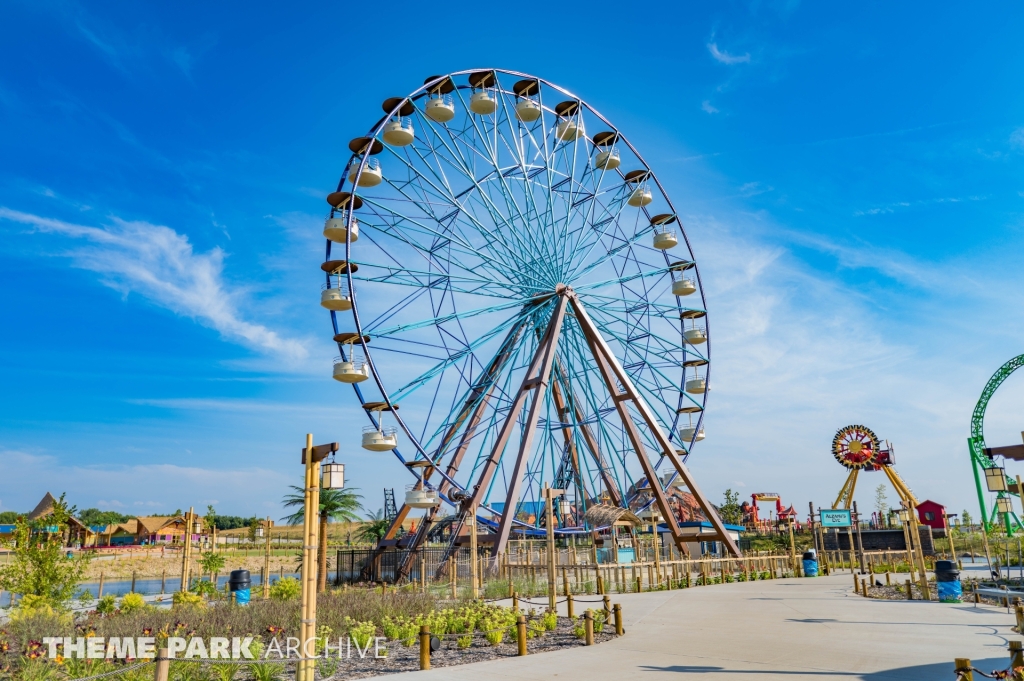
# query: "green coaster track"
[[976, 443]]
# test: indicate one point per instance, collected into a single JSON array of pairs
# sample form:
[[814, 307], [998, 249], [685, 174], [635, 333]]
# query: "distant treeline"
[[92, 517]]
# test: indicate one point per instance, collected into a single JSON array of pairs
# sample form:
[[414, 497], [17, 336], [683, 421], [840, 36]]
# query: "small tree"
[[41, 567], [881, 505], [730, 510], [254, 525], [212, 563], [966, 520], [374, 529]]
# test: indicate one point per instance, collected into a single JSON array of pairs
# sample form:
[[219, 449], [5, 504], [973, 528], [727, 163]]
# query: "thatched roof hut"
[[603, 515]]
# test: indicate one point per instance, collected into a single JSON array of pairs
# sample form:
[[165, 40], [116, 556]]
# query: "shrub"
[[286, 589], [107, 605], [550, 621], [182, 599], [133, 602]]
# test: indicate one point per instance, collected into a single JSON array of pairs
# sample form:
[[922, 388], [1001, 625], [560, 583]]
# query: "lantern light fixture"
[[333, 476], [1004, 505], [995, 479]]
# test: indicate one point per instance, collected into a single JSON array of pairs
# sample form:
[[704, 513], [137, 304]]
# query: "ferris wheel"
[[516, 307]]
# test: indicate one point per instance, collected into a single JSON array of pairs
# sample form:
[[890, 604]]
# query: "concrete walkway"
[[778, 629]]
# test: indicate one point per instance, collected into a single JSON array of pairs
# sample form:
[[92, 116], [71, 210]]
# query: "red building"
[[931, 514]]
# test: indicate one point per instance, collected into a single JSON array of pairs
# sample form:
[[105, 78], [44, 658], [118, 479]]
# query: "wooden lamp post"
[[311, 458], [549, 518]]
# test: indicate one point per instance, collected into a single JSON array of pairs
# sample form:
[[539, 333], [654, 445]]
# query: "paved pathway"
[[777, 629]]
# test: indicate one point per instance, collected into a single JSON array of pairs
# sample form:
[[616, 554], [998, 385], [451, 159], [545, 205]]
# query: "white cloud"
[[159, 486], [706, 106], [1017, 139], [160, 264], [725, 57]]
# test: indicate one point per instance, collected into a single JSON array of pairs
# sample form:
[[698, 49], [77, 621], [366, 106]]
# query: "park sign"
[[838, 517]]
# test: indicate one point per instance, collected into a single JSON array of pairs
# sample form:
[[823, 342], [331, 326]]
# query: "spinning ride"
[[503, 265], [857, 449]]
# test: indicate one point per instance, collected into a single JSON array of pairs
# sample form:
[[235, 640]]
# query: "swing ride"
[[857, 449]]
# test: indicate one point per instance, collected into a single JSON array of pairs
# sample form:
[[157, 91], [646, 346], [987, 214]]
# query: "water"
[[151, 586]]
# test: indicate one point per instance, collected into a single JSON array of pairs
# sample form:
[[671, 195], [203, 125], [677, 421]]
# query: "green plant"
[[286, 589], [225, 672], [186, 599], [212, 563], [85, 598], [578, 629], [133, 602], [550, 620], [41, 567], [375, 528], [107, 605], [204, 587], [36, 670], [464, 641], [599, 620], [266, 671]]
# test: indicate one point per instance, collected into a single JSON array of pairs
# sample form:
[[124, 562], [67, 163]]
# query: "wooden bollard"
[[565, 582], [163, 582], [133, 581], [888, 582], [571, 608], [617, 611], [588, 626], [864, 586], [607, 609], [424, 646], [163, 665], [1016, 654], [963, 669], [910, 591], [600, 583], [639, 583], [521, 634], [99, 592], [515, 601], [856, 582]]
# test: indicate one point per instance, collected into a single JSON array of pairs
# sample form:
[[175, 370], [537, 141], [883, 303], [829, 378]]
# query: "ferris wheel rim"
[[375, 133]]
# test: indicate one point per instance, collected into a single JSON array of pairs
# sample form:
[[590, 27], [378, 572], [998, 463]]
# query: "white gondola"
[[608, 159], [696, 385], [687, 433], [336, 230], [382, 439], [371, 176], [352, 370], [421, 498], [641, 196], [440, 109], [336, 297], [482, 104], [399, 133], [665, 239], [684, 287], [527, 110], [695, 336], [569, 129]]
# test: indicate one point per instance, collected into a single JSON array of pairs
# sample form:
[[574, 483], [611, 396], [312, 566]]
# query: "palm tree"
[[374, 530], [335, 504]]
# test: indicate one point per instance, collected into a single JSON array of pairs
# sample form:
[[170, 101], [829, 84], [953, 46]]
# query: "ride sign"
[[839, 517]]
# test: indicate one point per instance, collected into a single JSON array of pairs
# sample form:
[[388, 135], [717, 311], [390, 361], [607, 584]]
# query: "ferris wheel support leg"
[[536, 382], [611, 371], [588, 435]]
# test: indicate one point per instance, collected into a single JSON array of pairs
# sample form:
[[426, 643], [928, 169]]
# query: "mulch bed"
[[403, 659]]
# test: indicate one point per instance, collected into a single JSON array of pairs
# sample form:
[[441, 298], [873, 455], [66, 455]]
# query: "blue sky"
[[851, 178]]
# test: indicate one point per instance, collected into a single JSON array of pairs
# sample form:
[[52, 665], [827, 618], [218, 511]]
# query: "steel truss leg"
[[612, 370]]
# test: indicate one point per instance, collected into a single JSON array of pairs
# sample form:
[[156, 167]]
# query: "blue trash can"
[[240, 585], [947, 581], [810, 564]]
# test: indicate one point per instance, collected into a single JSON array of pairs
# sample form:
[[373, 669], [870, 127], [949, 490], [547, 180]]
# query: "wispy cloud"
[[706, 106], [893, 207], [1017, 139], [726, 58], [160, 264]]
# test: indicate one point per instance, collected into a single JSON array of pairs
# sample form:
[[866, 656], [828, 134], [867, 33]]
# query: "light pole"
[[265, 529], [549, 518], [311, 458]]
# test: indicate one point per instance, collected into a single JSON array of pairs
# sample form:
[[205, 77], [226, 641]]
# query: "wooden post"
[[888, 581], [565, 582], [549, 518], [186, 548], [266, 560], [515, 601], [453, 568], [963, 669], [424, 647], [521, 634], [617, 610], [163, 666], [792, 547], [474, 577], [569, 604], [607, 609], [1016, 652], [134, 575], [588, 626], [99, 593], [910, 591], [163, 582]]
